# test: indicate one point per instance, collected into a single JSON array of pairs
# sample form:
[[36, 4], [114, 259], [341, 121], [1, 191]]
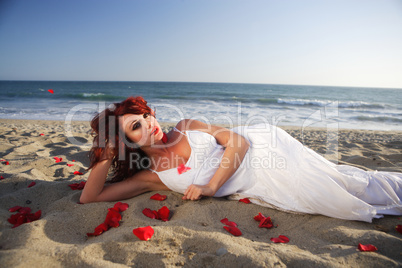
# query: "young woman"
[[260, 162]]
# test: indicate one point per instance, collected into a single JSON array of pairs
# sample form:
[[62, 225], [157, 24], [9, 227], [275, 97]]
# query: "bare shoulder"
[[192, 124]]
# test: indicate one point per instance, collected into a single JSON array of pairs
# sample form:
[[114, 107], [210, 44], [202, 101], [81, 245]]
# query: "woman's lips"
[[155, 131]]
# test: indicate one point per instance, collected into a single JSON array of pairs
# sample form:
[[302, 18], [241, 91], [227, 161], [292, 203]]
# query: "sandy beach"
[[194, 235]]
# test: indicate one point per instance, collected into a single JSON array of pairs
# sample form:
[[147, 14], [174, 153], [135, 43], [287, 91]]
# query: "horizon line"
[[147, 81]]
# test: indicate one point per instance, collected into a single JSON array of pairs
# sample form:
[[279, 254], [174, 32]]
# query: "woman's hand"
[[195, 192]]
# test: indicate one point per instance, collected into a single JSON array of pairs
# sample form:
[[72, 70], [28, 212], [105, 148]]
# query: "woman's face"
[[142, 129]]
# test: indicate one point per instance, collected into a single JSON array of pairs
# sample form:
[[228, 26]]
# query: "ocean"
[[217, 103]]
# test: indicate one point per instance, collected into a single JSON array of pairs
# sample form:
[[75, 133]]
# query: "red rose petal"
[[99, 230], [13, 218], [7, 163], [144, 233], [266, 223], [24, 215], [50, 90], [259, 217], [399, 228], [24, 210], [31, 184], [182, 168], [36, 215], [78, 173], [280, 239], [73, 160], [2, 178], [77, 186], [164, 138], [228, 223], [366, 247], [148, 212], [245, 200], [113, 218], [14, 209], [58, 160], [41, 134], [70, 165], [233, 230], [121, 206], [158, 197], [163, 213]]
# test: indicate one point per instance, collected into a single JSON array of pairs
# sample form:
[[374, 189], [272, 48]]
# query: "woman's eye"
[[136, 125], [146, 115]]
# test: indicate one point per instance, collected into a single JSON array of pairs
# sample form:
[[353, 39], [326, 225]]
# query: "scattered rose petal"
[[399, 228], [6, 163], [366, 247], [78, 173], [77, 186], [14, 209], [259, 217], [113, 218], [58, 160], [24, 215], [24, 210], [233, 230], [2, 178], [41, 134], [164, 138], [32, 184], [99, 230], [280, 239], [120, 206], [266, 223], [158, 197], [73, 160], [245, 200], [70, 165], [163, 213], [228, 223], [144, 233], [182, 168], [50, 90], [149, 213]]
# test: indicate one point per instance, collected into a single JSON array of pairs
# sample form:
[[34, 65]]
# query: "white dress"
[[279, 172]]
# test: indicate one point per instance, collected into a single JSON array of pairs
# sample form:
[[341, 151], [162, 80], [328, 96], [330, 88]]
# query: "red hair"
[[105, 129]]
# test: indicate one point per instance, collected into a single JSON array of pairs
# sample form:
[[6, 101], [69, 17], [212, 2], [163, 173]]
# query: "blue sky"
[[339, 42]]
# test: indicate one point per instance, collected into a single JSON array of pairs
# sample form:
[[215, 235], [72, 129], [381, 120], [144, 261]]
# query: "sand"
[[194, 236]]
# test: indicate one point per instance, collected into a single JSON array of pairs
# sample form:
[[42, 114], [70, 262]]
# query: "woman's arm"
[[236, 149], [95, 189]]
